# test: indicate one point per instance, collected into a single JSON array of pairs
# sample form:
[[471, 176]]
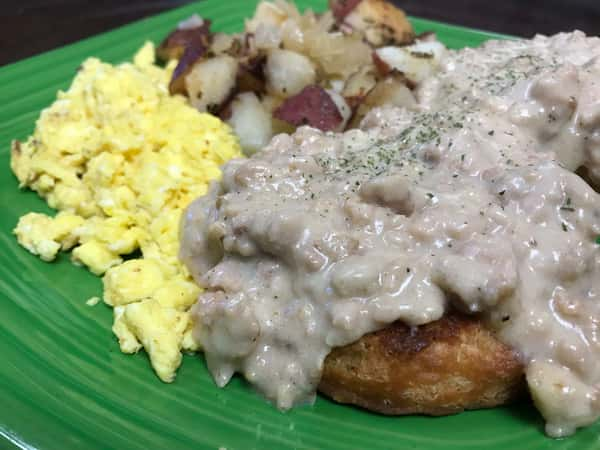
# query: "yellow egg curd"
[[120, 159]]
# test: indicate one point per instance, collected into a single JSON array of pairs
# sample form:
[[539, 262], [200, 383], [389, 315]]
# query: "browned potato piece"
[[271, 103], [287, 72], [341, 8], [175, 43], [266, 13], [359, 84], [223, 43], [392, 90], [337, 54], [211, 82], [251, 122], [440, 368], [191, 55], [416, 61], [251, 74], [381, 22]]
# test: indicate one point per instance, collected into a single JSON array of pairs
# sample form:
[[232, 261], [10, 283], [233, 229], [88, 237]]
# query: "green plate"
[[65, 385]]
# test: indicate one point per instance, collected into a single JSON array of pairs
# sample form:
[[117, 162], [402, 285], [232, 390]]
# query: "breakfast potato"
[[333, 61], [267, 37], [271, 103], [187, 44], [341, 8], [380, 21], [338, 54], [342, 106], [416, 61], [292, 36], [392, 91], [251, 121], [251, 76], [223, 43], [312, 106], [359, 84], [211, 82], [266, 13], [193, 33], [288, 72], [190, 56]]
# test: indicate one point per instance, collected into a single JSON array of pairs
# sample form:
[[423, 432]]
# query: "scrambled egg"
[[120, 159]]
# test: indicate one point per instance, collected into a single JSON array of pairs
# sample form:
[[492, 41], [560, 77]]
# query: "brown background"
[[28, 27]]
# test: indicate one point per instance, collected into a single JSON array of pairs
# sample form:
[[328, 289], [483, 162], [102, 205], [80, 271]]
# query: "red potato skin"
[[174, 45], [195, 47], [312, 106], [191, 55], [341, 8]]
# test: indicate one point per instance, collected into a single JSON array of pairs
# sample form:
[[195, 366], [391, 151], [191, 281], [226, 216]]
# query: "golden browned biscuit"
[[440, 368]]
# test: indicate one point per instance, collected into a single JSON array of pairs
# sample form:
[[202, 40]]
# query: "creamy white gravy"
[[468, 201]]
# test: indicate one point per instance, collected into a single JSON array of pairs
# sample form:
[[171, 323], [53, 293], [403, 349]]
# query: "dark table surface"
[[28, 27]]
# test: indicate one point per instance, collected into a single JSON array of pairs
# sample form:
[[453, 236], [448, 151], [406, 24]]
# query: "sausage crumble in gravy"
[[469, 199]]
